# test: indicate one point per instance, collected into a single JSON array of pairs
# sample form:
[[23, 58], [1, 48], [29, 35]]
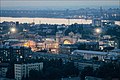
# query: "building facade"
[[67, 48], [3, 69], [96, 22], [101, 55], [8, 53], [22, 70], [82, 65]]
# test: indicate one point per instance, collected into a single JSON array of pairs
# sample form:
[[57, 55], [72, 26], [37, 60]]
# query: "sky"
[[57, 4]]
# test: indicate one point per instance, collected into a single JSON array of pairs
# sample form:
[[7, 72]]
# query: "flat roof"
[[90, 52]]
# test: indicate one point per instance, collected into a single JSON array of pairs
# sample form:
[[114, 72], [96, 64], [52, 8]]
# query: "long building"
[[90, 54]]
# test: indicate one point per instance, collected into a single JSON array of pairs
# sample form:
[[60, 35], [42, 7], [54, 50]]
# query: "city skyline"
[[59, 40]]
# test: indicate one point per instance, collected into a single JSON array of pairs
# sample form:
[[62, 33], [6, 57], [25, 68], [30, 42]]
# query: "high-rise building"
[[22, 70], [3, 69], [96, 22], [8, 53]]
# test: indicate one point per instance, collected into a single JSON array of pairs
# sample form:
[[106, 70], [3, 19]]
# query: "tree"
[[87, 71], [52, 73], [34, 75], [70, 70], [10, 71], [108, 70], [95, 58]]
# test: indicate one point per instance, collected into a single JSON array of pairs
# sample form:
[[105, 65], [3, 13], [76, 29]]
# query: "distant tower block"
[[96, 22]]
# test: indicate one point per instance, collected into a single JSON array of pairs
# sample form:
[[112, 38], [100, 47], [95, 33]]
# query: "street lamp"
[[13, 30], [98, 30]]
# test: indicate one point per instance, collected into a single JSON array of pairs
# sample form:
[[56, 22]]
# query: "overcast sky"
[[57, 4]]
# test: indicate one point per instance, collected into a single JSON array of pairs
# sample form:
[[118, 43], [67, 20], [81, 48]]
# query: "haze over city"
[[56, 4]]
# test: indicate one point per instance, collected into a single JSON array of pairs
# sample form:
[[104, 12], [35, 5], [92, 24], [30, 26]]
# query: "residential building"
[[101, 55], [22, 70], [8, 53], [82, 64], [67, 48], [96, 22], [116, 51], [51, 46], [3, 69], [87, 45]]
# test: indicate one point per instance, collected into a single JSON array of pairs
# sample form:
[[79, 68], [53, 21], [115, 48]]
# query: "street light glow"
[[13, 30], [98, 30]]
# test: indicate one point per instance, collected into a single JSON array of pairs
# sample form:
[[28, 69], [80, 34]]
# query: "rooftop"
[[15, 47], [116, 50], [89, 52]]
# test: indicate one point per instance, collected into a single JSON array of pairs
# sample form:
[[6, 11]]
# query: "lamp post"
[[13, 30], [98, 32]]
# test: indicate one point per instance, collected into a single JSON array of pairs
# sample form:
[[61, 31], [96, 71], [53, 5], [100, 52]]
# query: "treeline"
[[53, 69], [107, 71]]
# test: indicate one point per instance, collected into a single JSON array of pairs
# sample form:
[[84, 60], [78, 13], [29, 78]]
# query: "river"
[[48, 20]]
